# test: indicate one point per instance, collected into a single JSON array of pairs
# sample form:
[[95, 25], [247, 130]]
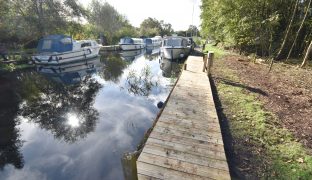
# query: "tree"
[[25, 20], [150, 27], [263, 27], [105, 19], [287, 31], [307, 55], [299, 29]]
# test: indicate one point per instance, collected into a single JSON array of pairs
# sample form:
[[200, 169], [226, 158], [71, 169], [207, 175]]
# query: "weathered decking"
[[186, 142]]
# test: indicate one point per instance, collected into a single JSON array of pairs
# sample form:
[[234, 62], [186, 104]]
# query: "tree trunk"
[[307, 55], [301, 25], [279, 54]]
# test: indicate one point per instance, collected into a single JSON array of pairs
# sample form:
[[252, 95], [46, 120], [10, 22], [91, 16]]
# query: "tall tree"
[[307, 55], [299, 29], [278, 56]]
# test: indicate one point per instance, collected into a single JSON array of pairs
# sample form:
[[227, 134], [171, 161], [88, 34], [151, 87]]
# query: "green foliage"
[[151, 27], [105, 19], [25, 20], [252, 26]]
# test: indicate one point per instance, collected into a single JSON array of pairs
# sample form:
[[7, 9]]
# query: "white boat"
[[153, 42], [174, 48], [60, 49], [128, 43]]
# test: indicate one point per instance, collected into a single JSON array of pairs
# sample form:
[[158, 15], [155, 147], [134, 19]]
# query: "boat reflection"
[[70, 73], [152, 53], [170, 68], [131, 55]]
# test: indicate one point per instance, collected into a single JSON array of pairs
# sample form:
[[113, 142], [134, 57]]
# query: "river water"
[[76, 121]]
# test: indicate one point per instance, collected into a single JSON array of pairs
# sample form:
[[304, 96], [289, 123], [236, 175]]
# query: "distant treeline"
[[280, 29], [23, 22]]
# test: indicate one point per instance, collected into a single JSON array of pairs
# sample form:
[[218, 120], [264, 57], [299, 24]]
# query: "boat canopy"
[[55, 43]]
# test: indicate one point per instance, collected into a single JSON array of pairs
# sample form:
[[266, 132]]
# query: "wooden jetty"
[[186, 142]]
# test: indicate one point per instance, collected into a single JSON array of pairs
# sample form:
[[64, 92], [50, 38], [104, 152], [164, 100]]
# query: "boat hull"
[[174, 52], [66, 57]]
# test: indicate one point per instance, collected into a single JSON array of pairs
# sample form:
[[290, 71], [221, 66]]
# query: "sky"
[[176, 12]]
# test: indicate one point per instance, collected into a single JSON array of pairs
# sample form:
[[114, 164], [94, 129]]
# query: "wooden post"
[[205, 62], [210, 62], [185, 66]]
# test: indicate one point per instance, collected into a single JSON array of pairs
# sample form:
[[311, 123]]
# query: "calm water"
[[76, 121]]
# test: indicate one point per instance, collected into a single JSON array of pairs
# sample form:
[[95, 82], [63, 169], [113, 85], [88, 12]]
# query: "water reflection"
[[170, 68], [152, 53], [10, 142], [132, 55], [54, 105], [76, 121], [70, 73], [114, 67], [141, 83]]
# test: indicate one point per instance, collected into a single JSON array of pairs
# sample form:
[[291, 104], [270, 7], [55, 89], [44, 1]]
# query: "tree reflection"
[[49, 104], [10, 143], [114, 67], [140, 83]]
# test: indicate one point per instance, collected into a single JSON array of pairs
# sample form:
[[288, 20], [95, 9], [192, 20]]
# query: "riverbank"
[[265, 117]]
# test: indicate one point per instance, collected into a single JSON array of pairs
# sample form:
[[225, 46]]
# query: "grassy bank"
[[261, 147]]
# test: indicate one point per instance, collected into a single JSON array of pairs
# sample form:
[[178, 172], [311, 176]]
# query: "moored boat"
[[174, 48], [153, 42], [128, 43], [60, 49]]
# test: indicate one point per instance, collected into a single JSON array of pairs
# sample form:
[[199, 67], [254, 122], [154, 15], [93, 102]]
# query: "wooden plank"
[[188, 148], [159, 172], [187, 141], [190, 123], [191, 135], [185, 167], [186, 157], [203, 132], [189, 127]]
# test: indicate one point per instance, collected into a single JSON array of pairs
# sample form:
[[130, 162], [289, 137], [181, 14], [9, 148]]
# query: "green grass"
[[217, 51], [285, 158]]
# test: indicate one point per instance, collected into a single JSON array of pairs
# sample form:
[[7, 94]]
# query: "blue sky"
[[176, 12]]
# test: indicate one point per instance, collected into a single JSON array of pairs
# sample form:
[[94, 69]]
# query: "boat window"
[[47, 44], [148, 41], [126, 41], [66, 40], [87, 44], [173, 42], [184, 42]]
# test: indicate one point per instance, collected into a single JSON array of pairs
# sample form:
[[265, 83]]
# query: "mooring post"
[[205, 62], [185, 66], [210, 62]]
